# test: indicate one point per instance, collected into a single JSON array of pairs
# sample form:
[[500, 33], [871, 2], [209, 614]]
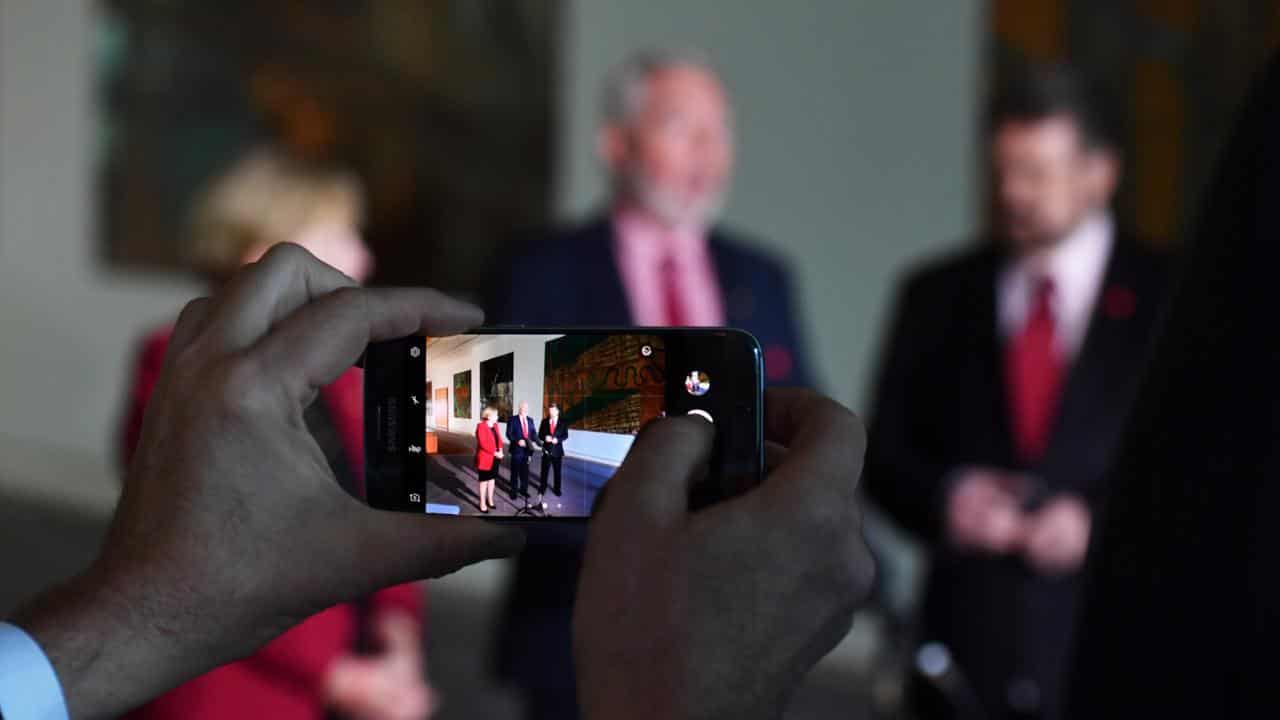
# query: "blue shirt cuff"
[[29, 688]]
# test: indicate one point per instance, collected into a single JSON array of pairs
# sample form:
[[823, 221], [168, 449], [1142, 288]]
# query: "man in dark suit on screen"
[[1009, 370], [654, 256], [552, 433], [522, 434]]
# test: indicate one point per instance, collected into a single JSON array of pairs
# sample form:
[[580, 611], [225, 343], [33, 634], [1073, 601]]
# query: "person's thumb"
[[653, 484]]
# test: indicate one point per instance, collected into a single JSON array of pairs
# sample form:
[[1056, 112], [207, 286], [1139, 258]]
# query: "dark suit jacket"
[[940, 405], [555, 449], [1182, 614], [515, 435], [572, 279]]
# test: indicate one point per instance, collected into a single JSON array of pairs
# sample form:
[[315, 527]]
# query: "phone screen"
[[546, 418]]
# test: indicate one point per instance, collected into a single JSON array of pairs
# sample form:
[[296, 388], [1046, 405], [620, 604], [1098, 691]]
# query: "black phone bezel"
[[394, 372]]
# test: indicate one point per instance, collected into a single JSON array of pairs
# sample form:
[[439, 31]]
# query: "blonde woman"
[[263, 199], [488, 456]]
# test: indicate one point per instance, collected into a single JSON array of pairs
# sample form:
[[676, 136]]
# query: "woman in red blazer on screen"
[[488, 456], [314, 668]]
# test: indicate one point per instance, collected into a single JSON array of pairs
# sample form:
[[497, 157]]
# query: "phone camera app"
[[697, 383]]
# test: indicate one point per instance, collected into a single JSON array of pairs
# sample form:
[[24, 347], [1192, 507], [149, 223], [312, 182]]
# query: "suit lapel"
[[603, 298], [721, 261], [733, 278], [1099, 383]]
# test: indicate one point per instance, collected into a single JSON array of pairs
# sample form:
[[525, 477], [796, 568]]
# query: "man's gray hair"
[[625, 86]]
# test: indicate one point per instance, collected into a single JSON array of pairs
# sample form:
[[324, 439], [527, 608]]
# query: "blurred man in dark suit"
[[553, 432], [1009, 370], [654, 256]]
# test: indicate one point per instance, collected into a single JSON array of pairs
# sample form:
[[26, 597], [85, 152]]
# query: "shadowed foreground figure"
[[1181, 610], [1009, 370]]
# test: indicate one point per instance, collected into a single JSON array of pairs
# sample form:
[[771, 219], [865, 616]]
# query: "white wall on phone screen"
[[446, 357]]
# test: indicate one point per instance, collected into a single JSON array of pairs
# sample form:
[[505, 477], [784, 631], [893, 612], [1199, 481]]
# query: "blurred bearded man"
[[654, 255]]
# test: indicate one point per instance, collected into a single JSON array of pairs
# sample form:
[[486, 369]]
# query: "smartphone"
[[548, 414]]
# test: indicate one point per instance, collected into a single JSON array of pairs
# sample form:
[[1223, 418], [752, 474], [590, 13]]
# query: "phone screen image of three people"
[[535, 425]]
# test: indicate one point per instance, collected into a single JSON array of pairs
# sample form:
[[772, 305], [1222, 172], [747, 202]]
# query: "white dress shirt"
[[1076, 266], [29, 688]]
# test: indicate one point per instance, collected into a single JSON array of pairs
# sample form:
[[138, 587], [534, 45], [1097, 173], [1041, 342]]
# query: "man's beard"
[[671, 210]]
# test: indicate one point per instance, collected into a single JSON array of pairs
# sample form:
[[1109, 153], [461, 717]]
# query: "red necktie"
[[1033, 375], [553, 427], [524, 427], [669, 276]]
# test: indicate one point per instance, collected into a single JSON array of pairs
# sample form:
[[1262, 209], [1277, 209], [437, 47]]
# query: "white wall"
[[855, 122], [454, 355], [68, 323], [448, 356], [600, 447]]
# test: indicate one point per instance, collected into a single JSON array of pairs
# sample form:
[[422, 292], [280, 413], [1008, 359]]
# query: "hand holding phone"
[[758, 587], [152, 611], [605, 384]]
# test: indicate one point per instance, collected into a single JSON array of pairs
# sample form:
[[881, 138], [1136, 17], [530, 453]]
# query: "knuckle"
[[843, 581], [849, 428], [852, 459], [237, 388], [285, 254], [836, 514], [848, 576], [843, 431], [191, 322], [850, 567], [351, 297], [193, 310], [675, 432], [829, 522], [857, 433], [859, 570], [186, 360]]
